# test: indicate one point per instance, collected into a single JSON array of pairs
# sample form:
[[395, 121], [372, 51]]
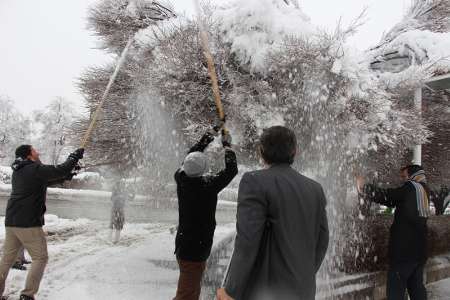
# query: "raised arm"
[[204, 142], [69, 177], [51, 173], [250, 226], [387, 197], [219, 181]]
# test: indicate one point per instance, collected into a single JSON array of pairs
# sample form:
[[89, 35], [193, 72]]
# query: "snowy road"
[[96, 205], [439, 290], [85, 265]]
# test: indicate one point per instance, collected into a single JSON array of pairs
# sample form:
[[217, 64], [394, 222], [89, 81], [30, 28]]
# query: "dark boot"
[[25, 297], [18, 266]]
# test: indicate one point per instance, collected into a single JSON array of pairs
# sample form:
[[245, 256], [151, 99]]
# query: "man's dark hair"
[[411, 169], [23, 151], [278, 145]]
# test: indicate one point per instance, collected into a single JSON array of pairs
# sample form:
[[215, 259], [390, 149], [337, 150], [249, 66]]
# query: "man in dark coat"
[[197, 201], [408, 234], [282, 228], [25, 210], [120, 195]]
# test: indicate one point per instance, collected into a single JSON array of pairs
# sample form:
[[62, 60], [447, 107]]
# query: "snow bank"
[[256, 27]]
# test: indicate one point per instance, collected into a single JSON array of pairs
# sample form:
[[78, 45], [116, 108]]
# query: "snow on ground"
[[83, 264], [439, 290]]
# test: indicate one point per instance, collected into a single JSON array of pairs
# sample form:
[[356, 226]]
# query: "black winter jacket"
[[408, 233], [197, 201], [26, 205]]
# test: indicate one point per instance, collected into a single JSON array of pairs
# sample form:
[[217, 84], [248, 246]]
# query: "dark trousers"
[[406, 276], [189, 282]]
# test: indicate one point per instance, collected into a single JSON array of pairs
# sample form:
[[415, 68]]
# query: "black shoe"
[[19, 266], [25, 297], [26, 262]]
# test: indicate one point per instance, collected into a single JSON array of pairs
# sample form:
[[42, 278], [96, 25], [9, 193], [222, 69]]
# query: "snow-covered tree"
[[115, 140], [412, 52], [52, 125], [15, 129], [115, 21], [275, 67]]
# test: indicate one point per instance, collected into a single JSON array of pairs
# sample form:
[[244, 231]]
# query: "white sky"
[[45, 45]]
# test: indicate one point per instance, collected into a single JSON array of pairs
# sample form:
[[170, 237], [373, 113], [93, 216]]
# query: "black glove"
[[226, 139], [207, 138], [219, 125], [77, 154], [77, 167]]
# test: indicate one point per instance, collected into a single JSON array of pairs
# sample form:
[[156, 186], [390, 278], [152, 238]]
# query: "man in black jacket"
[[408, 234], [25, 210], [197, 201]]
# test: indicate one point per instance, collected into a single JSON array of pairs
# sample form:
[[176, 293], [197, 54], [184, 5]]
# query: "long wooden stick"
[[211, 67], [105, 93]]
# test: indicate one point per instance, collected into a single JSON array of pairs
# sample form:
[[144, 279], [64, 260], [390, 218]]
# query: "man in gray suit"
[[282, 228]]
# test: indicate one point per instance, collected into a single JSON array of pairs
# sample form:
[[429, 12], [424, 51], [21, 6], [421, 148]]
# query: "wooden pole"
[[105, 94], [211, 67]]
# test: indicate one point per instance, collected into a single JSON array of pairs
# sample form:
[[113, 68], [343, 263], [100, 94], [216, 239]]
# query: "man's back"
[[27, 202], [294, 240], [197, 201], [26, 206]]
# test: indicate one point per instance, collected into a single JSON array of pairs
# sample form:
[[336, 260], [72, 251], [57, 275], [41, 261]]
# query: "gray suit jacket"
[[282, 236]]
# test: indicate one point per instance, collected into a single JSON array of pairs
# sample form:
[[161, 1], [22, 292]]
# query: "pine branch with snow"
[[115, 21]]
